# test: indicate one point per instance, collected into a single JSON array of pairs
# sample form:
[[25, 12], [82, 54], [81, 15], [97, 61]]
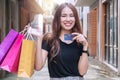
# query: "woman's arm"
[[41, 55], [83, 63]]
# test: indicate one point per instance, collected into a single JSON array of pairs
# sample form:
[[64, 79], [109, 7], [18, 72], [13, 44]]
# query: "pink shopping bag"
[[7, 43], [11, 61]]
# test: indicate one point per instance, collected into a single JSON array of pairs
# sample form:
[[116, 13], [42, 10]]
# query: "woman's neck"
[[65, 32]]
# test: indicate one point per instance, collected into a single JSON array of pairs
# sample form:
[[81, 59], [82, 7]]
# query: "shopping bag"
[[26, 63], [11, 61], [7, 43]]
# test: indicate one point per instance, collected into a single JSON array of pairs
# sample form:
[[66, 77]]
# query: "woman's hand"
[[34, 31], [80, 39]]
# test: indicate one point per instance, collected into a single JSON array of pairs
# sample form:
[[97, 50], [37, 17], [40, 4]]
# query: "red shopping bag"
[[11, 61], [7, 43]]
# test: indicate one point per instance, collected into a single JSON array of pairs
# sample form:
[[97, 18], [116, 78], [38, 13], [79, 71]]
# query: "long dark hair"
[[53, 38]]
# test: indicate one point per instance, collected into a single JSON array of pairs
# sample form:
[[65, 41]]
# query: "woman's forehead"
[[67, 10]]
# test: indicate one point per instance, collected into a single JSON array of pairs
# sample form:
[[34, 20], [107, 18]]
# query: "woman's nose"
[[67, 18]]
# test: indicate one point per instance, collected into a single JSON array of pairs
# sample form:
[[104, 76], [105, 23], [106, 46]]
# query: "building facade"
[[15, 14], [103, 31]]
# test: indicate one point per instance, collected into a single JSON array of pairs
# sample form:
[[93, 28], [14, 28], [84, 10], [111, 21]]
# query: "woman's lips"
[[68, 24]]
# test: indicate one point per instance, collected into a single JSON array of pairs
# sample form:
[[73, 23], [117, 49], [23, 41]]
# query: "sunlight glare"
[[59, 1]]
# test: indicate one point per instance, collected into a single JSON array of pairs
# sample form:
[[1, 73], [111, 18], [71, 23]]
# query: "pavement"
[[95, 72]]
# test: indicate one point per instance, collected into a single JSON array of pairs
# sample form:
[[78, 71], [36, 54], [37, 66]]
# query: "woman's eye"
[[63, 15], [71, 15]]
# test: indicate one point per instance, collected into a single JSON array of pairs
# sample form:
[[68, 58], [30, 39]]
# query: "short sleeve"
[[45, 45]]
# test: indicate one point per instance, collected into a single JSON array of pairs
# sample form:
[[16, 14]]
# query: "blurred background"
[[100, 20]]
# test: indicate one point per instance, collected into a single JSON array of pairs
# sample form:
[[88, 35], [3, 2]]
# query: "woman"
[[67, 59]]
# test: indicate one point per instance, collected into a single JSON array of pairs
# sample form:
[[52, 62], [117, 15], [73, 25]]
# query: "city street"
[[94, 73], [99, 23]]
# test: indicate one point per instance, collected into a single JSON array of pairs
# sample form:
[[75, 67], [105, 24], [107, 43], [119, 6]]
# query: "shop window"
[[111, 33]]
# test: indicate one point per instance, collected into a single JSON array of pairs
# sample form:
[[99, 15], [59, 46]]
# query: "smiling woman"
[[67, 19], [67, 58]]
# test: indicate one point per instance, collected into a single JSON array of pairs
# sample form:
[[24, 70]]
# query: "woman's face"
[[67, 19]]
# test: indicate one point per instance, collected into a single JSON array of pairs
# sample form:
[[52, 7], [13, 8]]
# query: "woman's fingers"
[[75, 33], [74, 38], [79, 38], [34, 31]]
